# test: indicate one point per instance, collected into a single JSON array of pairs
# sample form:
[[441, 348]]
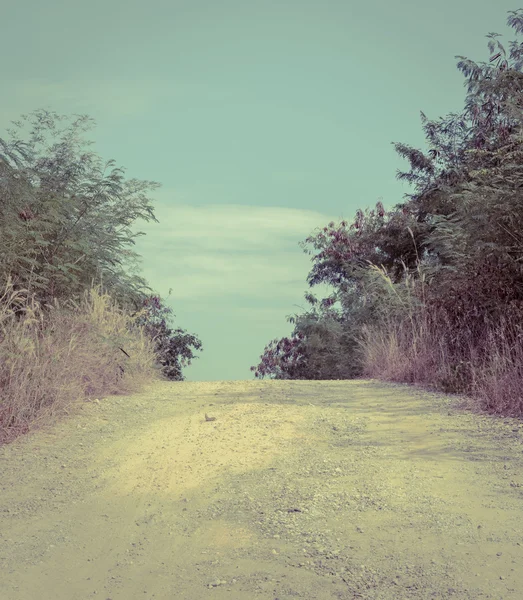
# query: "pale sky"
[[262, 120]]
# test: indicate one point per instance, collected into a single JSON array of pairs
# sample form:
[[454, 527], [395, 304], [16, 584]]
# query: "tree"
[[456, 241], [63, 220], [465, 151], [321, 347], [172, 348], [481, 240]]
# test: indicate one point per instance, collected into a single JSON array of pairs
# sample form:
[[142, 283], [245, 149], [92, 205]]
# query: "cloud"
[[244, 252], [234, 226]]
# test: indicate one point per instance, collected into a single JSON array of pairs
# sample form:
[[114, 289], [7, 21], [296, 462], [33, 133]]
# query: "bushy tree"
[[173, 347], [454, 247], [283, 359], [480, 242], [65, 223], [320, 347], [63, 220], [465, 214]]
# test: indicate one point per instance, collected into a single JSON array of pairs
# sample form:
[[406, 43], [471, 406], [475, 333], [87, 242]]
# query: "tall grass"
[[429, 348], [498, 384], [53, 356]]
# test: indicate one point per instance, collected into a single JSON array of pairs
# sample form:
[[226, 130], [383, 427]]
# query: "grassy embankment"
[[427, 348], [53, 356]]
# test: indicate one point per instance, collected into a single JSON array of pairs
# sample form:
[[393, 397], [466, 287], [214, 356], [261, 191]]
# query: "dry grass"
[[499, 384], [436, 349], [428, 351], [53, 356]]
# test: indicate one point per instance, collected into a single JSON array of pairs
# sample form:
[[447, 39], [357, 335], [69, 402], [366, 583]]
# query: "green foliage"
[[376, 237], [172, 348], [330, 347], [322, 346], [63, 220]]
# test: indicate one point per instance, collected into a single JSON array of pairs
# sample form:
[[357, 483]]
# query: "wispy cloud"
[[229, 250]]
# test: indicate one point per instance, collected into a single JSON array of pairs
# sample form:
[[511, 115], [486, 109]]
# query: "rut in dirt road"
[[265, 489]]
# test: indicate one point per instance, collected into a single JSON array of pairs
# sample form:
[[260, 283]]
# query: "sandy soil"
[[339, 489]]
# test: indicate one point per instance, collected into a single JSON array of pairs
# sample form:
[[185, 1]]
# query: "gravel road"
[[265, 489]]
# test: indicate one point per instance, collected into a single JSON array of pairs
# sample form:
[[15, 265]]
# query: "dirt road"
[[296, 489]]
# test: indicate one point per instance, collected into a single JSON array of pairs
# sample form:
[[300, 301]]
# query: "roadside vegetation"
[[76, 321], [430, 292]]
